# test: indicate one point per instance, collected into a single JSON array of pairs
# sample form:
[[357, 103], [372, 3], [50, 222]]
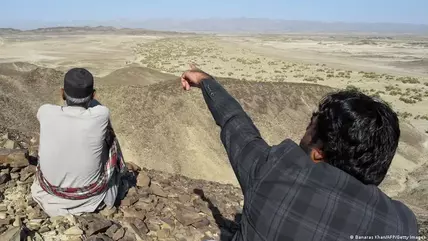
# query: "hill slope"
[[162, 127]]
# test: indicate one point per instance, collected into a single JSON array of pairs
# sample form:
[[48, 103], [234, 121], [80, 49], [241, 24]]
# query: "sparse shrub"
[[352, 88], [370, 75], [330, 75], [407, 100], [404, 115], [408, 80], [311, 79], [389, 77], [376, 95]]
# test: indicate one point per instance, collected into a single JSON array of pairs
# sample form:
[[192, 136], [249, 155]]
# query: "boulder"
[[129, 200], [120, 233], [4, 177], [158, 191], [9, 144], [188, 218], [143, 180], [15, 158], [73, 231]]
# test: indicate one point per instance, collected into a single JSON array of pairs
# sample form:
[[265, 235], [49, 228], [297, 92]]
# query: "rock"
[[99, 237], [97, 227], [143, 180], [2, 229], [5, 136], [133, 213], [163, 233], [44, 229], [17, 222], [73, 231], [9, 144], [129, 200], [188, 218], [3, 215], [13, 234], [107, 212], [113, 228], [15, 158], [31, 202], [129, 236], [132, 192], [6, 221], [1, 197], [71, 219], [120, 233], [27, 172], [157, 190], [133, 167], [35, 224], [4, 177], [3, 207], [138, 227], [14, 176], [184, 198], [202, 223]]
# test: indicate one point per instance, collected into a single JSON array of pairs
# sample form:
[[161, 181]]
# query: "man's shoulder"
[[100, 109], [291, 152], [48, 107]]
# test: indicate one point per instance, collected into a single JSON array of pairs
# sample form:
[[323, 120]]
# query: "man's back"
[[289, 194], [72, 152], [297, 199]]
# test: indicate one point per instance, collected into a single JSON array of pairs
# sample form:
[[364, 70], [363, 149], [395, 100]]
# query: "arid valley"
[[278, 78]]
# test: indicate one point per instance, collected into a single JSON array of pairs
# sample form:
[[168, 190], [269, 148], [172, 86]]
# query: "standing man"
[[326, 188], [80, 164]]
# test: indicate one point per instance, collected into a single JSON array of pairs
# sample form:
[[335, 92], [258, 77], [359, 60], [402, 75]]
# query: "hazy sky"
[[19, 13]]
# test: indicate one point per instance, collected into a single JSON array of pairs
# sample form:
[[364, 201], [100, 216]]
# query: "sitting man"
[[80, 164], [326, 188]]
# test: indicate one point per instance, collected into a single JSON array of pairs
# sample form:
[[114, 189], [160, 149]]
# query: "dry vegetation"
[[171, 55], [144, 109]]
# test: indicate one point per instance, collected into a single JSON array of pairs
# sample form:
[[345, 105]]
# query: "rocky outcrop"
[[159, 206]]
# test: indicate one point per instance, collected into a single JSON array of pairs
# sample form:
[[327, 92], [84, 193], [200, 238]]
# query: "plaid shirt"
[[114, 163], [289, 197]]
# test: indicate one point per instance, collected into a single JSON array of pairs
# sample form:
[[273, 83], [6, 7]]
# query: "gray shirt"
[[72, 153]]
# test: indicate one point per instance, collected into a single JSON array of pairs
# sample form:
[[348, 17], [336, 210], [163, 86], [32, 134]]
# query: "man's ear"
[[62, 94], [317, 155]]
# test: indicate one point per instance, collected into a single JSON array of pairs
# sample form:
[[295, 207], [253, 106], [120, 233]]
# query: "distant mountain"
[[84, 30], [254, 25], [216, 25]]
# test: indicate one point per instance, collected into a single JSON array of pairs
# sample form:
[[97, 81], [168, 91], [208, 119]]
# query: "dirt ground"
[[394, 68]]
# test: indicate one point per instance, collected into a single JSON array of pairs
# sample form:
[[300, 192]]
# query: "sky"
[[30, 13]]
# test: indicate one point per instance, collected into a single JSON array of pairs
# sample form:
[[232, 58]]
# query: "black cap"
[[78, 83]]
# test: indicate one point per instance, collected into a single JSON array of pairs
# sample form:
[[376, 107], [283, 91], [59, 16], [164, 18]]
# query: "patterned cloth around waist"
[[115, 162]]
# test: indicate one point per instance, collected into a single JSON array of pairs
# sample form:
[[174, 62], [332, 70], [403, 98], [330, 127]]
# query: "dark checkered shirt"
[[289, 197]]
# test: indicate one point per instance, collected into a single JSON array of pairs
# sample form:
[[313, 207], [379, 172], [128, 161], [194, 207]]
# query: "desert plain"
[[279, 78]]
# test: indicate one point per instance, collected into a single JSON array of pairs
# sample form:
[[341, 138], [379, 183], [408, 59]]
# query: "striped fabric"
[[115, 163]]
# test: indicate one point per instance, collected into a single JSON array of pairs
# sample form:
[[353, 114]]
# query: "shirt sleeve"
[[41, 111], [242, 140]]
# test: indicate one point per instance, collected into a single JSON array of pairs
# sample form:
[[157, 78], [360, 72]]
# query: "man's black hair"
[[357, 134]]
